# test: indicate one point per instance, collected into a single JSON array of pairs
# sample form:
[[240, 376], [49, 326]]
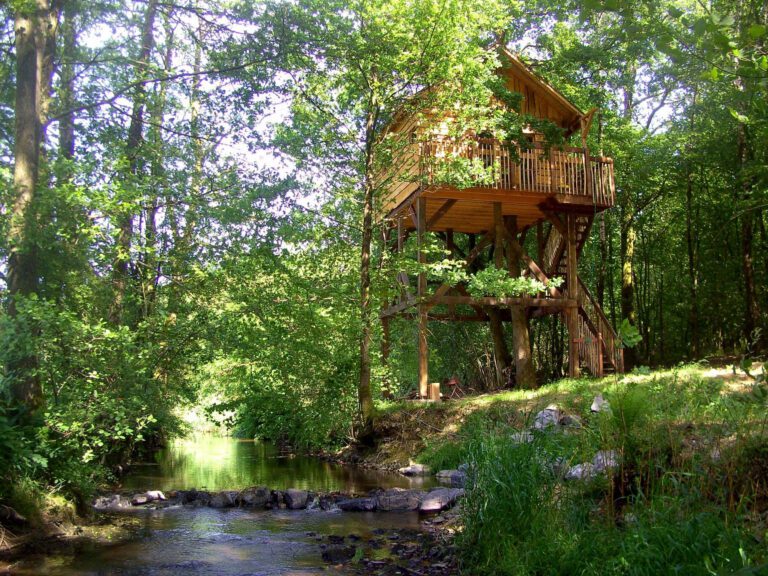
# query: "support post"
[[501, 352], [525, 372], [421, 293], [572, 314]]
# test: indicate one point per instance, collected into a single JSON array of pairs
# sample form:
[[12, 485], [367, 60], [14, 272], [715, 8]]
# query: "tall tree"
[[350, 66], [35, 27]]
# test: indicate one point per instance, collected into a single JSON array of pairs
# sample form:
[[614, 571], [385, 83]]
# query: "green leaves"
[[629, 334], [498, 283]]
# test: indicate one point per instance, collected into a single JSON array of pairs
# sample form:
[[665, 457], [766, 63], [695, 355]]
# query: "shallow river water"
[[233, 542]]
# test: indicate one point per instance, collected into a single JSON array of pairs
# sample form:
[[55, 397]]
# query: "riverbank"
[[651, 473]]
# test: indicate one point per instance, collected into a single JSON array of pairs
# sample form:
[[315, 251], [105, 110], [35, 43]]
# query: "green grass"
[[690, 496]]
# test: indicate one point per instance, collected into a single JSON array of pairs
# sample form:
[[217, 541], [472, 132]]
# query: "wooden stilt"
[[572, 314], [421, 292], [501, 352]]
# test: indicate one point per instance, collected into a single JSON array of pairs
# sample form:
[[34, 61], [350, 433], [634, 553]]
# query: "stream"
[[182, 540]]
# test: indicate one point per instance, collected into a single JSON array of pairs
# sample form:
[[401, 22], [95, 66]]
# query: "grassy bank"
[[690, 495]]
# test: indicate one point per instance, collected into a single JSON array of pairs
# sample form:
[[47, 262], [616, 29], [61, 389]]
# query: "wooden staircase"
[[599, 346]]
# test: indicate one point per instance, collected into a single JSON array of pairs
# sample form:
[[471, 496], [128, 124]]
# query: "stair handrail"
[[609, 336]]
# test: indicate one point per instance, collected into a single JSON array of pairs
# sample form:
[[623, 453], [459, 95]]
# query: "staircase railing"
[[603, 332]]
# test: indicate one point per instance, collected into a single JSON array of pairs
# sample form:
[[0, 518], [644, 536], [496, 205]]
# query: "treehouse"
[[521, 189]]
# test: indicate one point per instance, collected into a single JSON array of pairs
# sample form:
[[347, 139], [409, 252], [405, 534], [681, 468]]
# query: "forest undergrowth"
[[689, 494]]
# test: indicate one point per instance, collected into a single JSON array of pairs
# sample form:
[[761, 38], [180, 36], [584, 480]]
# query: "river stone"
[[415, 470], [440, 499], [548, 417], [256, 497], [296, 499], [112, 502], [330, 501], [399, 500], [224, 499], [358, 505], [336, 554], [187, 496], [456, 478], [139, 499], [202, 498], [154, 495]]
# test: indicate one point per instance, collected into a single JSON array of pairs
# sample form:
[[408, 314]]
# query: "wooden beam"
[[442, 211], [532, 266], [399, 307], [555, 220], [492, 301]]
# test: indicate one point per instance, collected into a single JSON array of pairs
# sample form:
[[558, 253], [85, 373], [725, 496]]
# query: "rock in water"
[[257, 497], [337, 554], [155, 495], [295, 499], [358, 505], [456, 478], [139, 499], [113, 502], [548, 417], [223, 500], [399, 500], [415, 470], [440, 499]]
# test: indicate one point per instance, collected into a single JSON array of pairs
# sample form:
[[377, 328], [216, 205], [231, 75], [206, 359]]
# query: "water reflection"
[[215, 463], [207, 542]]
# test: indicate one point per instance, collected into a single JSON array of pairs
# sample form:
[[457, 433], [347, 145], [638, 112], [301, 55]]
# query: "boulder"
[[599, 404], [548, 417], [440, 499], [139, 499], [358, 504], [112, 502], [256, 497], [337, 554], [603, 462], [415, 470], [223, 500], [399, 500], [296, 499], [455, 478], [154, 495]]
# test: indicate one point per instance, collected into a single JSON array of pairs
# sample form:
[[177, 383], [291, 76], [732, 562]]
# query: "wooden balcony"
[[526, 180]]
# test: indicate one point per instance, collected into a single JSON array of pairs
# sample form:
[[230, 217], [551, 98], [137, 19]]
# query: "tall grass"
[[693, 474]]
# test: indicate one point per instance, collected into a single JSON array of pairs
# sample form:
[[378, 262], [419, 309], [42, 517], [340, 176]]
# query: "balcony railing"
[[532, 169]]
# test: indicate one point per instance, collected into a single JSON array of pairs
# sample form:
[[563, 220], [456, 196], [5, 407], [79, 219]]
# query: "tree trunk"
[[525, 372], [628, 310], [502, 358], [132, 153], [364, 394], [35, 40], [693, 276]]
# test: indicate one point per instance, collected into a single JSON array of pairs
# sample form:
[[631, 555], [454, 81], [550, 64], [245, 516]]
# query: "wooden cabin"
[[554, 194]]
